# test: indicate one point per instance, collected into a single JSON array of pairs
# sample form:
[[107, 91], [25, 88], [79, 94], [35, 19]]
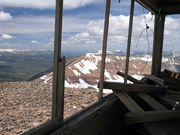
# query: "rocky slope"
[[25, 105]]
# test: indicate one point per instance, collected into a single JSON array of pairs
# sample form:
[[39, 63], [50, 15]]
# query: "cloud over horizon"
[[6, 36], [5, 16], [45, 4]]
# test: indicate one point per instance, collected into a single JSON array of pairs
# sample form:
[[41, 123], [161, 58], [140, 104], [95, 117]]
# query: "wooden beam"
[[155, 79], [45, 129], [130, 78], [128, 102], [129, 40], [151, 101], [172, 74], [57, 55], [134, 87], [158, 43], [104, 47], [60, 92], [151, 116], [171, 9], [151, 6], [172, 82]]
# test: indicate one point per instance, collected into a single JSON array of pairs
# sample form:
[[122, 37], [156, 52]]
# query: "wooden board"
[[155, 79], [128, 102], [151, 101], [134, 87], [130, 78], [151, 116]]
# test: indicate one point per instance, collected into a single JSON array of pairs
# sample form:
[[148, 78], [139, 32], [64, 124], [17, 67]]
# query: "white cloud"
[[91, 37], [28, 24], [71, 4], [118, 32], [6, 36], [41, 24], [45, 4], [35, 42], [5, 16]]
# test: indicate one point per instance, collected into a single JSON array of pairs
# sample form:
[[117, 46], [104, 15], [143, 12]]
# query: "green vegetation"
[[19, 67]]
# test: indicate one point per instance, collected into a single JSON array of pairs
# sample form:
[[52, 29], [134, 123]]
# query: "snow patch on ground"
[[82, 84], [146, 58], [46, 78], [107, 75]]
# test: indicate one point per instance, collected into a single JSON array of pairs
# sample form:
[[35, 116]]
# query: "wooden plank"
[[104, 48], [46, 128], [151, 116], [170, 80], [57, 54], [158, 43], [151, 101], [134, 87], [172, 74], [129, 40], [129, 102], [155, 79], [60, 92], [130, 78]]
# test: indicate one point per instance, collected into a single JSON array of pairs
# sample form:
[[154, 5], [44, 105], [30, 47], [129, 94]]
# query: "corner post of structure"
[[129, 40], [158, 43], [59, 64], [104, 47]]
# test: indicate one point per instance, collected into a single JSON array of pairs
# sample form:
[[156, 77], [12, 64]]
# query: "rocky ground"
[[25, 105]]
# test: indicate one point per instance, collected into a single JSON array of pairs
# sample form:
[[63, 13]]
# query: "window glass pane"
[[26, 60], [171, 50]]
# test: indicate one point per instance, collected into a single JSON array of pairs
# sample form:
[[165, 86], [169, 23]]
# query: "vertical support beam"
[[104, 47], [129, 41], [56, 103], [158, 43], [60, 91]]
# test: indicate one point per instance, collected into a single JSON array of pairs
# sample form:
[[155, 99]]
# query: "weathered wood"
[[172, 74], [129, 40], [130, 78], [134, 87], [151, 101], [46, 128], [104, 47], [94, 119], [57, 55], [155, 79], [152, 6], [151, 116], [60, 92], [168, 80], [171, 9], [158, 43], [130, 104]]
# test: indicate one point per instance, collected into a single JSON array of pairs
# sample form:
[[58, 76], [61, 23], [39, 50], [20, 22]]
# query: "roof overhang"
[[166, 7]]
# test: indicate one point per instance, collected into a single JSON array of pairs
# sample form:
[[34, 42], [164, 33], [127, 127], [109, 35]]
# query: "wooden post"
[[104, 47], [56, 103], [129, 40], [158, 43]]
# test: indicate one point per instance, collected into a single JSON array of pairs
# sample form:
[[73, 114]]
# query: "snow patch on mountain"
[[85, 66]]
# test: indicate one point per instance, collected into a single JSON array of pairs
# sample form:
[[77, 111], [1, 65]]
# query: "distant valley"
[[18, 65], [83, 71]]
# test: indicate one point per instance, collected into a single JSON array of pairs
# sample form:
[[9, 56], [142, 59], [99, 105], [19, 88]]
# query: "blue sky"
[[30, 25]]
